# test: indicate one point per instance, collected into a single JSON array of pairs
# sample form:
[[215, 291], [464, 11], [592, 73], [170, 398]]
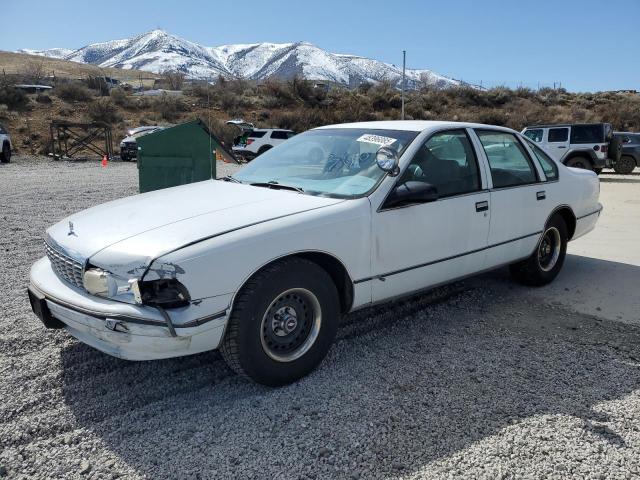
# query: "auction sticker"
[[377, 139]]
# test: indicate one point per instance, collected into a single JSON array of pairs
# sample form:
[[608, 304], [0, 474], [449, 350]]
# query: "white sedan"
[[263, 264]]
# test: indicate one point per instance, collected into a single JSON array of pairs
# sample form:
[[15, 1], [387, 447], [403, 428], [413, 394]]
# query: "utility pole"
[[404, 63]]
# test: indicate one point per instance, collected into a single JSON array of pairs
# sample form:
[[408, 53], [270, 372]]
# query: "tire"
[[625, 165], [579, 162], [265, 339], [543, 266], [263, 149], [598, 171], [5, 156], [614, 151]]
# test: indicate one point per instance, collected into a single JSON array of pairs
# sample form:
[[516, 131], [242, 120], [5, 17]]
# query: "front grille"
[[65, 267]]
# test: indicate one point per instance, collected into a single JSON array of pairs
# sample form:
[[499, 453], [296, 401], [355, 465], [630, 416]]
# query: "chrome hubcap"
[[291, 325], [549, 249]]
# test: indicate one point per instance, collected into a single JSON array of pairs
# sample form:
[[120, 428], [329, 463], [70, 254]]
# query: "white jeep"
[[591, 146]]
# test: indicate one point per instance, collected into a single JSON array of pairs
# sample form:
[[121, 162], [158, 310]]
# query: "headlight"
[[165, 293]]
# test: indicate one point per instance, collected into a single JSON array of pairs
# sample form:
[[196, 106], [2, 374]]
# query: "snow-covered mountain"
[[157, 51], [52, 52]]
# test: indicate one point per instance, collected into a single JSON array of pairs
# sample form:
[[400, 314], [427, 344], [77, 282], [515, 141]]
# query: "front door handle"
[[561, 146], [482, 206], [541, 195]]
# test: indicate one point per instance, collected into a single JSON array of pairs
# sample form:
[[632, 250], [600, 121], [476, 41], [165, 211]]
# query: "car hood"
[[138, 229]]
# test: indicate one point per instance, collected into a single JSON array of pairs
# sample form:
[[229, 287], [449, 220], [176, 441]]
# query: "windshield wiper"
[[229, 178], [277, 186]]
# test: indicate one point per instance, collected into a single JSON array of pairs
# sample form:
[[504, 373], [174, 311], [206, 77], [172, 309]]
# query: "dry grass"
[[18, 63], [298, 106]]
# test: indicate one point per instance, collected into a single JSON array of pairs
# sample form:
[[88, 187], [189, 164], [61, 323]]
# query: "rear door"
[[558, 142], [519, 206]]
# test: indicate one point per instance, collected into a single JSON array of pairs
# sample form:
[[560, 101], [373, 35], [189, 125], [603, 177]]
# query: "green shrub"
[[104, 110], [13, 98], [73, 91]]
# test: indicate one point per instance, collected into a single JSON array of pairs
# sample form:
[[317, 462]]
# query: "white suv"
[[5, 146], [255, 141], [590, 145]]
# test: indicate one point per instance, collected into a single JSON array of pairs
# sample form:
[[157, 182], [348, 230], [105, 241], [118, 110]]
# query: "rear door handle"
[[541, 195], [482, 206], [562, 146]]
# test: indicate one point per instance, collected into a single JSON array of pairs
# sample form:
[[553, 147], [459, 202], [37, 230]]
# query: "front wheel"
[[283, 323], [5, 156], [543, 266]]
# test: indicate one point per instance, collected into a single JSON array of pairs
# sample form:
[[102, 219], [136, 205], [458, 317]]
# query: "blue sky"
[[586, 45]]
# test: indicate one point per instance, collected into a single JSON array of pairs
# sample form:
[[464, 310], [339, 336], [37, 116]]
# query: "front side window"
[[336, 162], [510, 165], [548, 165], [534, 134], [558, 135], [448, 162]]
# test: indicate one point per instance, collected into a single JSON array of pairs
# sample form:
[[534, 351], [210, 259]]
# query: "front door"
[[421, 245]]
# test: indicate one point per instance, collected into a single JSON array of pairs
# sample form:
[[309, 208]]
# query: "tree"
[[33, 71], [174, 79]]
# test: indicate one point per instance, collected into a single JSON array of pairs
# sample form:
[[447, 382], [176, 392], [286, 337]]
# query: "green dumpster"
[[178, 155]]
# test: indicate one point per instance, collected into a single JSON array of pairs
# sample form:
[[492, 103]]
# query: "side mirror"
[[412, 192], [387, 160]]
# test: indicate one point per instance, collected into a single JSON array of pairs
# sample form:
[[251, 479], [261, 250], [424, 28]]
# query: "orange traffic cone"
[[105, 159]]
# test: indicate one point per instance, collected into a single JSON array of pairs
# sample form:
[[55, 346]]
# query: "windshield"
[[143, 132], [338, 162]]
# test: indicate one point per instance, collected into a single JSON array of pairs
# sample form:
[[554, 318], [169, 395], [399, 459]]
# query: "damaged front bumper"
[[133, 332]]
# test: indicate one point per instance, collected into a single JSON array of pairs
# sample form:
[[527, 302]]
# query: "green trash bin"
[[177, 155]]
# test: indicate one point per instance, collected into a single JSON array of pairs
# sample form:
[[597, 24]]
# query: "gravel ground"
[[476, 380]]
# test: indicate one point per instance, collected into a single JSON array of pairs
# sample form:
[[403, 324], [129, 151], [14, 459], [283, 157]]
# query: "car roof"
[[413, 125], [271, 130], [554, 125]]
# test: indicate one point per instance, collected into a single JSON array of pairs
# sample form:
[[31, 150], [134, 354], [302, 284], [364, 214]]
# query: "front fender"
[[221, 265]]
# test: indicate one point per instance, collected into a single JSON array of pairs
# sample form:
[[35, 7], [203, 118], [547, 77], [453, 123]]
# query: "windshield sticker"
[[377, 139]]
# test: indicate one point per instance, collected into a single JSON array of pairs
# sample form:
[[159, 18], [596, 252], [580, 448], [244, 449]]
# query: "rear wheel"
[[283, 323], [545, 263], [625, 165], [5, 156], [579, 162]]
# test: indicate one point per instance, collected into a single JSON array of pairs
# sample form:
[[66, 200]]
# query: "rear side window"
[[509, 162], [279, 135], [535, 134], [549, 166], [558, 135], [587, 134], [256, 134]]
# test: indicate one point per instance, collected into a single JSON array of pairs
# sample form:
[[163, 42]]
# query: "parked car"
[[590, 146], [5, 143], [263, 264], [252, 141], [129, 145], [630, 157]]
